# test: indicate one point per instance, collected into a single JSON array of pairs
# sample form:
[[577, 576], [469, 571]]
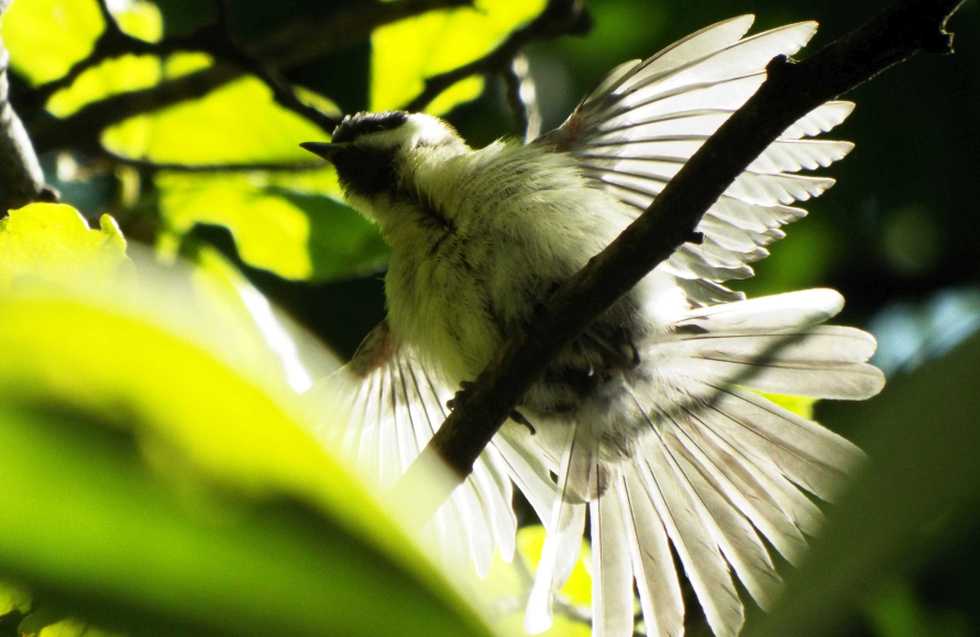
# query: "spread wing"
[[646, 119], [390, 405]]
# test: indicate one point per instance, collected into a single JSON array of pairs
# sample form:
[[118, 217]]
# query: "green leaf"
[[45, 37], [157, 472], [282, 223], [13, 599], [202, 132], [406, 52], [118, 75], [44, 240]]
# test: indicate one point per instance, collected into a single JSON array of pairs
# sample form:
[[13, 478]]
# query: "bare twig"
[[21, 178], [230, 167], [560, 17], [789, 93]]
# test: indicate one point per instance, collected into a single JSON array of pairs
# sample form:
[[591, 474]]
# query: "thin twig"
[[789, 93], [559, 17], [229, 167]]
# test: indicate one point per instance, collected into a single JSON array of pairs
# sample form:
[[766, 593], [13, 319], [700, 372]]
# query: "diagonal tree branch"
[[790, 92]]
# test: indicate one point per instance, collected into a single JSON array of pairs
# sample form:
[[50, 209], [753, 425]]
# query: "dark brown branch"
[[291, 46], [789, 93], [560, 17], [21, 178]]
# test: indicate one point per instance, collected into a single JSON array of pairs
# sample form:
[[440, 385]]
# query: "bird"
[[652, 426]]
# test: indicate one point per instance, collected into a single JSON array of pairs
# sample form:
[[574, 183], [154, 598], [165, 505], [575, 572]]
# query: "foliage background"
[[898, 235]]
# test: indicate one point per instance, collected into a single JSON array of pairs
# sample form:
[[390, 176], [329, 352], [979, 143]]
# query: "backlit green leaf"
[[138, 412], [43, 240], [45, 37], [236, 123], [408, 51]]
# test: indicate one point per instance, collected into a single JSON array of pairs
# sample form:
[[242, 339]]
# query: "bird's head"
[[374, 153]]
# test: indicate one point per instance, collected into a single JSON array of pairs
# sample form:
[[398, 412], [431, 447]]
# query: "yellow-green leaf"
[[799, 405], [42, 240], [285, 223], [13, 599], [177, 474], [45, 37], [122, 74], [406, 52], [236, 123]]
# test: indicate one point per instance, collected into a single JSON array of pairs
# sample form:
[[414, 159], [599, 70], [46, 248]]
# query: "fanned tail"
[[717, 472]]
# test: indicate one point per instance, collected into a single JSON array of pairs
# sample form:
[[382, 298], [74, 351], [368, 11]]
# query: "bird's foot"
[[458, 399]]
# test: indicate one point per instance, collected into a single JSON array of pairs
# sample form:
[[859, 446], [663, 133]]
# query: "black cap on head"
[[353, 126]]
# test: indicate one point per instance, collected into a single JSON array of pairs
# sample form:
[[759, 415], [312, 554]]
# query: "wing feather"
[[646, 119]]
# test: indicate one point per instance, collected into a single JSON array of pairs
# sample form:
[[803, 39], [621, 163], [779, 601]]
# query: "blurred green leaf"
[[408, 51], [283, 223], [45, 37], [13, 599], [58, 238], [157, 472], [202, 131], [118, 75]]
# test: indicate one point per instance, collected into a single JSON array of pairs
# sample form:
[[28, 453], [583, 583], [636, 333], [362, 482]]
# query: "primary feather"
[[646, 421]]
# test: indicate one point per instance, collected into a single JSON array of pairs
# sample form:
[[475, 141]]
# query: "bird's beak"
[[323, 149]]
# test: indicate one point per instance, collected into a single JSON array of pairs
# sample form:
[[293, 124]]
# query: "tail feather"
[[684, 518], [737, 539], [561, 546], [749, 487], [715, 470], [612, 580], [661, 599], [810, 455]]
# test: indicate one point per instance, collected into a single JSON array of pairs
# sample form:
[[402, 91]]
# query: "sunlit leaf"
[[285, 224], [118, 75], [203, 131], [194, 455], [58, 238], [408, 51], [138, 18], [45, 37]]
